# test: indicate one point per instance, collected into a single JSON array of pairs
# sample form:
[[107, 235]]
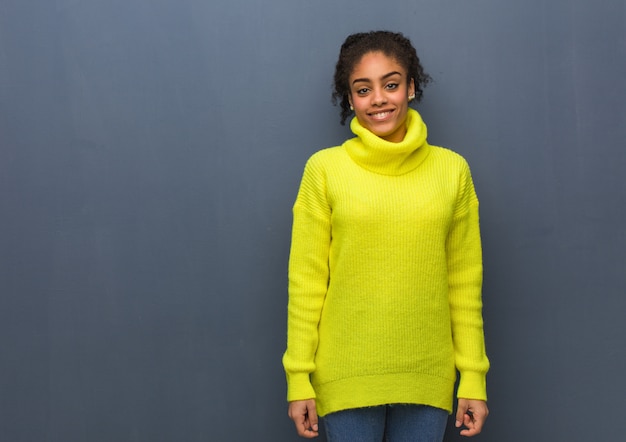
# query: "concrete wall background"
[[150, 152]]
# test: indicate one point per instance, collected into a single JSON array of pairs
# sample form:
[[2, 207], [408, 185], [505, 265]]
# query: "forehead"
[[373, 65]]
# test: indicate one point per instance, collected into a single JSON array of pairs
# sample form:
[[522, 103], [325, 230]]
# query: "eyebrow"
[[384, 77]]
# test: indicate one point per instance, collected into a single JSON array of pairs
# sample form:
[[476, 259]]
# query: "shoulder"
[[325, 159], [327, 154], [451, 160], [446, 154]]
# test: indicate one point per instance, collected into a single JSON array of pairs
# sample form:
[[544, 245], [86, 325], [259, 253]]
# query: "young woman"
[[385, 268]]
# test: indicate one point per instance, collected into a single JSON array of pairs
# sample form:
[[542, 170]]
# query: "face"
[[379, 93]]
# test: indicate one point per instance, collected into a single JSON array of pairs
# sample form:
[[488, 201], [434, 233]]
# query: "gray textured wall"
[[150, 152]]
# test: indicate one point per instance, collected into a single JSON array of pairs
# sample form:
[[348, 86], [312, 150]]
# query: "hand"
[[304, 415], [471, 413]]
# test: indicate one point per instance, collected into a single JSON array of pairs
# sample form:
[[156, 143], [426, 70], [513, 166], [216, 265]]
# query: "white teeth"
[[380, 115]]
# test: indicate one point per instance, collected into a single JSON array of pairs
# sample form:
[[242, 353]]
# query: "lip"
[[381, 115]]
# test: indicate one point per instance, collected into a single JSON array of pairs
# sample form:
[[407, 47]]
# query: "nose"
[[378, 97]]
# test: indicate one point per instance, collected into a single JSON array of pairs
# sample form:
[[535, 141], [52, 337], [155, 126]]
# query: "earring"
[[351, 108], [411, 97]]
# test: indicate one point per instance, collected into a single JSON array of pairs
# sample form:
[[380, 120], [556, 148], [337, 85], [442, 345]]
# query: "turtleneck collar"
[[384, 157]]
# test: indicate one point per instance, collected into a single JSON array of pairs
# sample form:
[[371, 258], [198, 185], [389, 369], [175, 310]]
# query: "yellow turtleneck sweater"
[[385, 276]]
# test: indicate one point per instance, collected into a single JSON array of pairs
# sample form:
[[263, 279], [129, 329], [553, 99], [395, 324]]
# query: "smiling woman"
[[380, 95], [385, 269]]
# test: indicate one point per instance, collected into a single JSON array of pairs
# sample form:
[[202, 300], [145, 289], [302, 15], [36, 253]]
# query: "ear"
[[411, 87]]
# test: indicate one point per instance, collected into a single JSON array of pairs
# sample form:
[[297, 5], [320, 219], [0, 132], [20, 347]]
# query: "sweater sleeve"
[[465, 269], [308, 280]]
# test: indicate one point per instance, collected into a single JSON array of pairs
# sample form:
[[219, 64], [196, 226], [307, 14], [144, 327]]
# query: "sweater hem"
[[383, 389]]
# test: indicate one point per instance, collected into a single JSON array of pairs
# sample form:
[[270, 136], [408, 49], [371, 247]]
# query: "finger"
[[304, 429], [469, 429], [473, 426], [478, 420], [469, 432], [309, 434], [307, 425], [300, 421], [298, 416], [461, 414], [313, 419]]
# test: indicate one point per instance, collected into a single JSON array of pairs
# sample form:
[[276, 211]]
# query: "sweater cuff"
[[299, 387], [472, 385]]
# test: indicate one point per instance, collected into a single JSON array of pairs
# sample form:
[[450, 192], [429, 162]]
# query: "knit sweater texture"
[[385, 276]]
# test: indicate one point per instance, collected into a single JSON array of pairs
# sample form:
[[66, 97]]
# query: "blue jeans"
[[390, 423]]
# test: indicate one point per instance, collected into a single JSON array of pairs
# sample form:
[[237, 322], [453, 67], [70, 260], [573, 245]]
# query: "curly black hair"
[[392, 44]]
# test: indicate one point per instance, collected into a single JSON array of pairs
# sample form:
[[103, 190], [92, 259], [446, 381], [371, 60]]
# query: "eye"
[[392, 86], [362, 91]]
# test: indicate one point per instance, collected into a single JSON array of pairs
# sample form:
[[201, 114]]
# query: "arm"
[[308, 282], [465, 287]]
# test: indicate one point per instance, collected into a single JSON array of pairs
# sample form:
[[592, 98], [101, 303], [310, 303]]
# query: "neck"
[[386, 157]]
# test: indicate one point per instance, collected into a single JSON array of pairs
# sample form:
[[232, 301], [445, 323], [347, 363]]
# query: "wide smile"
[[380, 115]]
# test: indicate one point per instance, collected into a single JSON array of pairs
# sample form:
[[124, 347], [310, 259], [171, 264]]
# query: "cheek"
[[360, 102]]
